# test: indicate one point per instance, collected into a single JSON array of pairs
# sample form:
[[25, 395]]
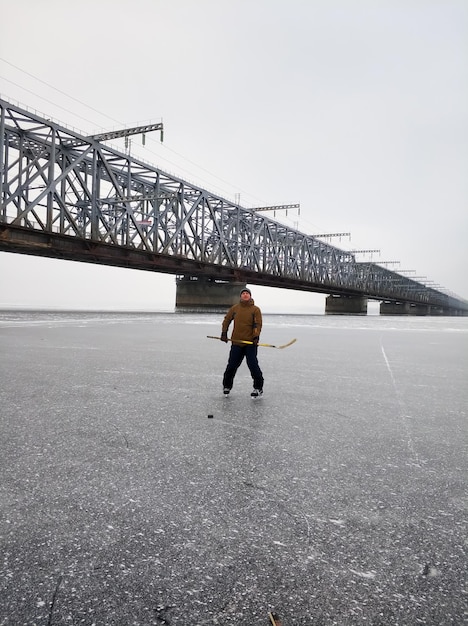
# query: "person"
[[247, 319]]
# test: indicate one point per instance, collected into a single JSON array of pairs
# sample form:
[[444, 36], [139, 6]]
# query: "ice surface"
[[339, 498]]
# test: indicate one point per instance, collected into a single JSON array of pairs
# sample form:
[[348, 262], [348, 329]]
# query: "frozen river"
[[339, 498]]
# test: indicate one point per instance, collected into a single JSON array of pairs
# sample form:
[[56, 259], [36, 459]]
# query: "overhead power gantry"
[[127, 132]]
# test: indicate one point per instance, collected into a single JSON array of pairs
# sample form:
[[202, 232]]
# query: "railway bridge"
[[70, 196]]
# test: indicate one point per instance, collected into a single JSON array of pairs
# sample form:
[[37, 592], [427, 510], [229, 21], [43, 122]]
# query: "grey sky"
[[356, 109]]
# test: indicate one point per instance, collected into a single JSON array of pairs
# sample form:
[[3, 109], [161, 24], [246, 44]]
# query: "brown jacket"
[[247, 321]]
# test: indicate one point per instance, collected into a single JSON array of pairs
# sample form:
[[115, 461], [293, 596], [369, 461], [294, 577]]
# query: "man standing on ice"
[[247, 327]]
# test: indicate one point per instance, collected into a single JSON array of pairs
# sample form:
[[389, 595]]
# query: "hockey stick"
[[264, 345]]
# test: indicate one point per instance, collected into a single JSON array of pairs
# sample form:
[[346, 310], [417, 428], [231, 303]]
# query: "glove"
[[255, 341], [224, 337]]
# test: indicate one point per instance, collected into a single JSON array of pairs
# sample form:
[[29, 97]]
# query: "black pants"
[[236, 356]]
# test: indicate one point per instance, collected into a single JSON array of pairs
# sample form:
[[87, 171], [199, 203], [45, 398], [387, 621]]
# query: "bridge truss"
[[70, 196]]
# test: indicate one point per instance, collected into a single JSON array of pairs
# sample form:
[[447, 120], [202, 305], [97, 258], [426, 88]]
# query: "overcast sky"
[[357, 109]]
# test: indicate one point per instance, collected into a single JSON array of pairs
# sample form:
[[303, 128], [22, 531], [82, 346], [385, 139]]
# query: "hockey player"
[[247, 319]]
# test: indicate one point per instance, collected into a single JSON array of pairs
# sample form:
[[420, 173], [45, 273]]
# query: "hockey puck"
[[210, 415]]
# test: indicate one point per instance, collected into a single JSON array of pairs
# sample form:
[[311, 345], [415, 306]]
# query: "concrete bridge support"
[[404, 308], [438, 310], [346, 305], [204, 294], [394, 308]]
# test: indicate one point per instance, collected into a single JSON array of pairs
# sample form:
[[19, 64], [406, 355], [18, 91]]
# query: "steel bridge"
[[70, 196]]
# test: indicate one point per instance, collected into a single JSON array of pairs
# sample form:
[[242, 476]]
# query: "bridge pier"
[[438, 310], [346, 305], [405, 308], [394, 308], [447, 312], [205, 294]]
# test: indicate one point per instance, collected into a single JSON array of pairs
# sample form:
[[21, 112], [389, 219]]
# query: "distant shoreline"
[[35, 309], [141, 311]]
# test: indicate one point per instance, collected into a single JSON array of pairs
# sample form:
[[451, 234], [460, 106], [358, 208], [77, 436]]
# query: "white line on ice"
[[403, 415]]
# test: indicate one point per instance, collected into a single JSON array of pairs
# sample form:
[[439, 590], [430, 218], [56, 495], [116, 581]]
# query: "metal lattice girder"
[[58, 183]]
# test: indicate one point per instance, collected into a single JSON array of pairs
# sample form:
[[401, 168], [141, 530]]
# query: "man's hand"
[[255, 341], [224, 337]]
